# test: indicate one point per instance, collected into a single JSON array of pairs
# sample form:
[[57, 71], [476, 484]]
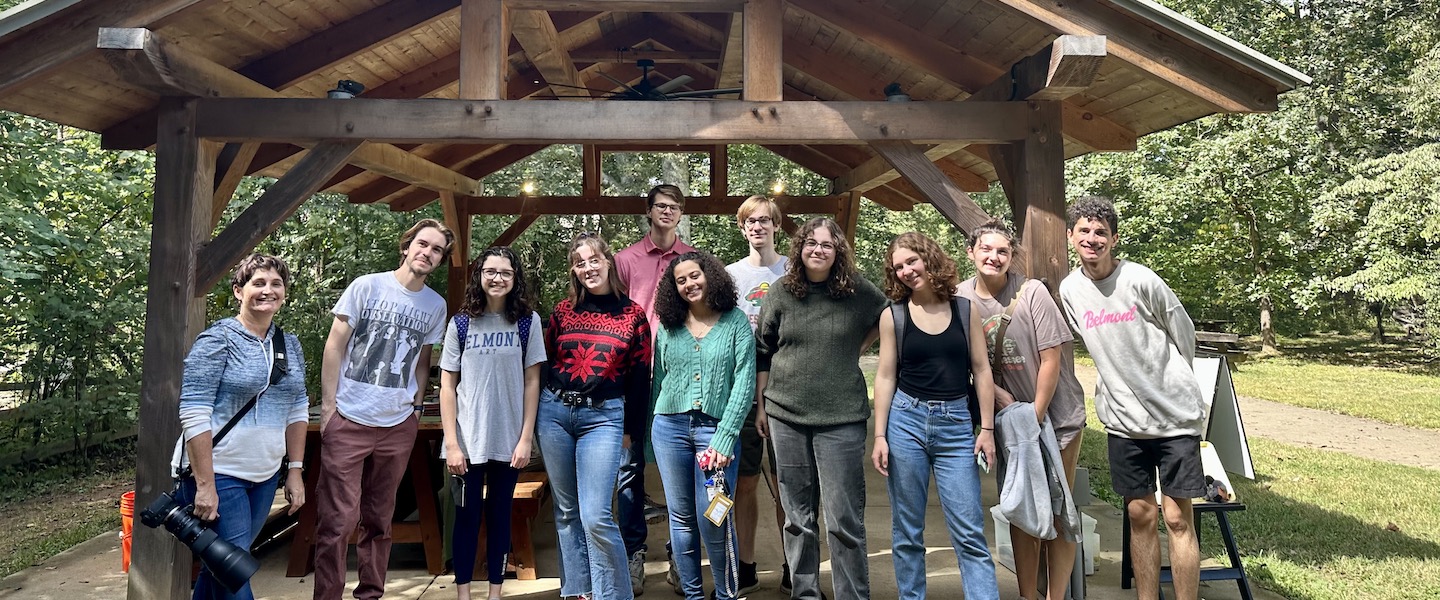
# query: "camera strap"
[[278, 367]]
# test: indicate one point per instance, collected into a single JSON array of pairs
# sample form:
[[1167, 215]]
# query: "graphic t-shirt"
[[1036, 325], [490, 398], [392, 326], [753, 283]]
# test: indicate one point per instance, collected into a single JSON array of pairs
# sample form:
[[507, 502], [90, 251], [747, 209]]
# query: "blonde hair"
[[754, 203]]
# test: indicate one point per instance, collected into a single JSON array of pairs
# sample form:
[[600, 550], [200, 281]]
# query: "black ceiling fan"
[[646, 91]]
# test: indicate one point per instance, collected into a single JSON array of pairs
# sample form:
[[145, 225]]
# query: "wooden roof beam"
[[538, 36], [149, 60], [902, 41], [374, 27], [1153, 50], [1065, 67], [519, 121], [631, 5], [732, 54], [938, 189], [762, 69], [630, 55], [509, 155], [484, 48], [69, 35], [625, 205]]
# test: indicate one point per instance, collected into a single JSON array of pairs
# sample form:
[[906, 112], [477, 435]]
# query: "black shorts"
[[753, 447], [1134, 462]]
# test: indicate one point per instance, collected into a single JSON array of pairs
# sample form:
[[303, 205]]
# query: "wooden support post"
[[484, 49], [764, 76], [184, 184], [230, 168], [266, 215], [719, 171], [513, 232], [1036, 167], [849, 216], [910, 161], [458, 277], [789, 225], [590, 170]]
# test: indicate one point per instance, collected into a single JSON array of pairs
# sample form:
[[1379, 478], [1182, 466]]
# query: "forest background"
[[1323, 216]]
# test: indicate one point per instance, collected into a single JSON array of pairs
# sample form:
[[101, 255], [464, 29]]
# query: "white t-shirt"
[[392, 326], [490, 398], [753, 283]]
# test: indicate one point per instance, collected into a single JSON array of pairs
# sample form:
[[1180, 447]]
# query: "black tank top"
[[934, 367]]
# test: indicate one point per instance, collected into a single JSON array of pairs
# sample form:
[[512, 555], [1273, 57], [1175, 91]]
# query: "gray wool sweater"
[[811, 348]]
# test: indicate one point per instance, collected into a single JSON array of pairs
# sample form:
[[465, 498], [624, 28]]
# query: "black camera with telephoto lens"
[[232, 566]]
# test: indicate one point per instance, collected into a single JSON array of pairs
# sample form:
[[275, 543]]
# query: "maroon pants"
[[360, 472]]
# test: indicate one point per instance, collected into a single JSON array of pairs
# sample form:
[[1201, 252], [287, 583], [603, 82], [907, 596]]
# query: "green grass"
[[1348, 378], [48, 508], [1318, 523]]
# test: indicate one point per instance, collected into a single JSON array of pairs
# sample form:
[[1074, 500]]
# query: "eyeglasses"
[[667, 207], [593, 263], [497, 274], [825, 247], [758, 221]]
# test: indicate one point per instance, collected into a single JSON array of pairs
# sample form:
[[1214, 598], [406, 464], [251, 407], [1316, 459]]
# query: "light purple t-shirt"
[[393, 325], [1036, 325], [640, 267]]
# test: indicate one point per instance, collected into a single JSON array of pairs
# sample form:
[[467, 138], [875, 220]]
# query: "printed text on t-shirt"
[[1093, 320]]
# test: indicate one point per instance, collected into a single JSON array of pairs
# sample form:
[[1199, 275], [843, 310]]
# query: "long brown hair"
[[941, 272], [577, 290], [518, 302], [841, 282]]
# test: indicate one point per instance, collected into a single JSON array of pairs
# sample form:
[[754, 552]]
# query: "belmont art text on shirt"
[[487, 342], [1093, 320]]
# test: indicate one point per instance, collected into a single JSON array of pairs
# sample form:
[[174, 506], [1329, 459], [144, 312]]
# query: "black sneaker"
[[785, 579], [749, 583]]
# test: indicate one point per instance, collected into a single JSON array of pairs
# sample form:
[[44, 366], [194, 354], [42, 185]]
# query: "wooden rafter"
[[267, 213], [149, 60], [630, 55], [1148, 49], [937, 188], [732, 54], [631, 5], [541, 41], [484, 44], [70, 35], [513, 232], [230, 167], [762, 72], [374, 27], [415, 198], [516, 121]]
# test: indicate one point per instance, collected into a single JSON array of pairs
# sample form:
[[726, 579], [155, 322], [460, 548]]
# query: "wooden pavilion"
[[998, 90]]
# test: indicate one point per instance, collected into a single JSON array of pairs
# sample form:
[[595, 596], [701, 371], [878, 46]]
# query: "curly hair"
[[997, 226], [1095, 208], [720, 294], [841, 281], [577, 292], [422, 224], [940, 270], [259, 262], [518, 301]]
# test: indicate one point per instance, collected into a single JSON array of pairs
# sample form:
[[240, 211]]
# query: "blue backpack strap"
[[462, 330], [524, 327]]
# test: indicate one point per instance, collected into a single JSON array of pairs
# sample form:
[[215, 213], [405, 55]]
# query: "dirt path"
[[1365, 438], [1312, 428]]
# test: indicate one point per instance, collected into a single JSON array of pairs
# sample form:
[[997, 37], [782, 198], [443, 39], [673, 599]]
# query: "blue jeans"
[[677, 439], [938, 435], [631, 499], [582, 448], [244, 506]]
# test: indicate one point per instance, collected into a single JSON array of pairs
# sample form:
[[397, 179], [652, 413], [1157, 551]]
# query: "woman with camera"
[[704, 384], [932, 389], [489, 393], [236, 377], [598, 341]]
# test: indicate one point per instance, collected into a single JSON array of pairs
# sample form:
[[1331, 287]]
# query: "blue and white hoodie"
[[226, 367]]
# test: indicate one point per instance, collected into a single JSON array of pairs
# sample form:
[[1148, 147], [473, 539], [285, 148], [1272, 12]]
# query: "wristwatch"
[[295, 464]]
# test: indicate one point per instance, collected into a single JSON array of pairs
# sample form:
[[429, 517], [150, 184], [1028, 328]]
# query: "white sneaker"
[[672, 577], [637, 572]]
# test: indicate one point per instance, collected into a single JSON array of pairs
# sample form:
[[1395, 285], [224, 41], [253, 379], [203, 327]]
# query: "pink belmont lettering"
[[1093, 320]]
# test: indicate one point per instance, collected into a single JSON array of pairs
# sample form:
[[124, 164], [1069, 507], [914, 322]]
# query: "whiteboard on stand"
[[1224, 428]]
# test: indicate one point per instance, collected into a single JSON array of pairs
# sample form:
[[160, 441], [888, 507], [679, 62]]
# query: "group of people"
[[709, 365]]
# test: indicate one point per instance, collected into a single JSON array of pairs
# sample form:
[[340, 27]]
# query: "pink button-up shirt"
[[640, 267]]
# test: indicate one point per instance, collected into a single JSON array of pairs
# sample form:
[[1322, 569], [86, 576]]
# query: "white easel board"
[[1224, 428]]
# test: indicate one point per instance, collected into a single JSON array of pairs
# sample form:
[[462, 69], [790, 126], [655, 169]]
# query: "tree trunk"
[[1267, 329], [1378, 309]]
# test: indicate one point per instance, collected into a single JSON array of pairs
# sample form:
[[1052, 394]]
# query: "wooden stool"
[[1235, 571]]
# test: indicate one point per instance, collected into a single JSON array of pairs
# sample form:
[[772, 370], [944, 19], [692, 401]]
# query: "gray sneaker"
[[672, 577], [637, 572]]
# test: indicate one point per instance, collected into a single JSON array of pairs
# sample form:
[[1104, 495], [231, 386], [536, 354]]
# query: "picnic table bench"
[[1223, 344]]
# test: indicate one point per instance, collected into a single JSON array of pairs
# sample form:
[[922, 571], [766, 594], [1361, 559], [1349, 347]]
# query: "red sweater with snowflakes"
[[600, 347]]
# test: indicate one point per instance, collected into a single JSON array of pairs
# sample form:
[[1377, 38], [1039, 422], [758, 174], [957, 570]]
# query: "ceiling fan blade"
[[674, 84], [576, 87], [705, 93], [621, 84]]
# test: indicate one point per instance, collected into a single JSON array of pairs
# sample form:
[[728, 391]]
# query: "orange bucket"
[[127, 525]]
